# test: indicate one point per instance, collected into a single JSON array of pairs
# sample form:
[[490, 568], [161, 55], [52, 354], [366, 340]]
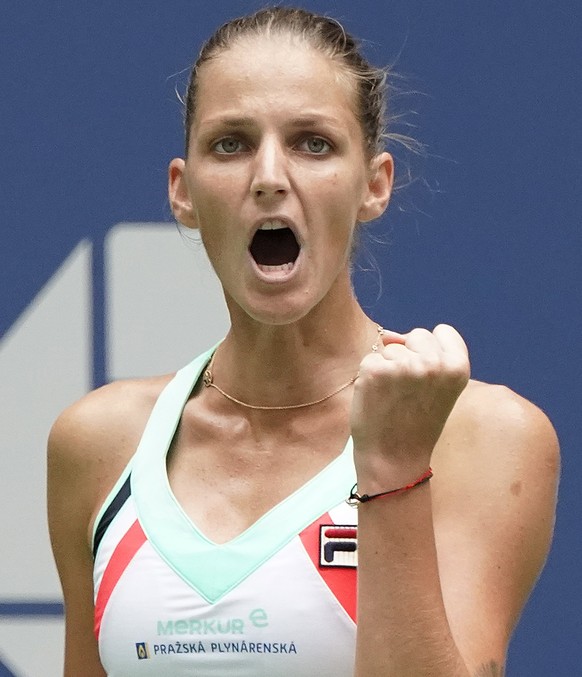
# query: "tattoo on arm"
[[492, 669]]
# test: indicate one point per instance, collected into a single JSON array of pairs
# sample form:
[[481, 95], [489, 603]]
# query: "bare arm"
[[89, 446], [444, 570], [69, 513]]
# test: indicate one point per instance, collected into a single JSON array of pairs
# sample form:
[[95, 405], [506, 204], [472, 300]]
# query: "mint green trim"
[[129, 467], [214, 569]]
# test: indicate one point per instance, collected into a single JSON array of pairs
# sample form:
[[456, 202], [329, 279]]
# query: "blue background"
[[487, 236]]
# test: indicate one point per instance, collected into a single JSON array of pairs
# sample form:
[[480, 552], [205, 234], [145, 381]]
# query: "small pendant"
[[376, 345], [207, 378]]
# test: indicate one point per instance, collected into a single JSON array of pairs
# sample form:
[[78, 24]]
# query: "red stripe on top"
[[121, 557], [341, 581], [341, 532]]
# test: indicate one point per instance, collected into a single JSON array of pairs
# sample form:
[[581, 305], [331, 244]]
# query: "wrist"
[[378, 472], [363, 497]]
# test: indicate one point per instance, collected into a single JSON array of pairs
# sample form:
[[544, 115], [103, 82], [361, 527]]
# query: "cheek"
[[342, 194], [209, 200], [217, 185], [343, 180], [211, 225]]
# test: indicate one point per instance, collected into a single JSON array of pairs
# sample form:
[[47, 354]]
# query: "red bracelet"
[[355, 498]]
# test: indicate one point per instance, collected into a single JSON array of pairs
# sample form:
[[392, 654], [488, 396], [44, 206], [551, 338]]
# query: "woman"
[[225, 544]]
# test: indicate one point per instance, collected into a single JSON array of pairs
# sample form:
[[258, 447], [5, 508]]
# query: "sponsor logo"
[[257, 618], [243, 646], [338, 546], [142, 650]]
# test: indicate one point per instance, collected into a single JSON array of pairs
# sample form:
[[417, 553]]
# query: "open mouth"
[[274, 247]]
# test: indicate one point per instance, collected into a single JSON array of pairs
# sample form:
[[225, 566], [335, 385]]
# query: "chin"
[[278, 316], [271, 311]]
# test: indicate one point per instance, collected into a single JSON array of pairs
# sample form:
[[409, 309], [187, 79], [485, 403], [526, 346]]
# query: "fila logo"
[[338, 546], [143, 650]]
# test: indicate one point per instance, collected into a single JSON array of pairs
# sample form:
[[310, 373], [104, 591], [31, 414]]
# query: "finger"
[[454, 351], [401, 362], [386, 362], [387, 336], [423, 342], [395, 351], [450, 340]]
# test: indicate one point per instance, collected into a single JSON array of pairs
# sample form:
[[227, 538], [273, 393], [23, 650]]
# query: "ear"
[[179, 194], [379, 188]]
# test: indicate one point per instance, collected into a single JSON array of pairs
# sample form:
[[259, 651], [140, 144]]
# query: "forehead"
[[275, 72]]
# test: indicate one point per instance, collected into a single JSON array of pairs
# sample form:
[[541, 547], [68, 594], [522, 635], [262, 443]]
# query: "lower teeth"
[[273, 269]]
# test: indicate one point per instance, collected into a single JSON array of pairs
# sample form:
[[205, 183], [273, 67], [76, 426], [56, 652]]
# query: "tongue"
[[274, 247]]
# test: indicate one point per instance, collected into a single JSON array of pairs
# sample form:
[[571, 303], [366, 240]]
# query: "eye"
[[316, 145], [228, 146]]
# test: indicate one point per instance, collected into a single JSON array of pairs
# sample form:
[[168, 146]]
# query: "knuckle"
[[458, 368], [432, 363], [419, 333], [418, 370], [442, 326]]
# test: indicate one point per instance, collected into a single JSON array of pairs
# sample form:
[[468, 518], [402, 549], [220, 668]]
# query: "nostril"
[[275, 191]]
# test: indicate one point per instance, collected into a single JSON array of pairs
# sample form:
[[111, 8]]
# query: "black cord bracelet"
[[355, 498]]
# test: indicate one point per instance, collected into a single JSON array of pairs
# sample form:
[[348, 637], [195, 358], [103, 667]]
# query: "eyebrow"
[[307, 120], [310, 120], [231, 121]]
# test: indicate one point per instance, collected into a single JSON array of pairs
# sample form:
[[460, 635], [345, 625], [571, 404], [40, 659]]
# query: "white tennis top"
[[277, 600]]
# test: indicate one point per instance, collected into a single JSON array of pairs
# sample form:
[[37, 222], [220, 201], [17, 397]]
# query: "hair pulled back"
[[320, 32]]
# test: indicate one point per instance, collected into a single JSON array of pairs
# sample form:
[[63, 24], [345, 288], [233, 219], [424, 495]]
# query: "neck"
[[279, 365]]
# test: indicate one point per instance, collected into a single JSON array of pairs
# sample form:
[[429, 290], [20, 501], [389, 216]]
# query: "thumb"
[[388, 336]]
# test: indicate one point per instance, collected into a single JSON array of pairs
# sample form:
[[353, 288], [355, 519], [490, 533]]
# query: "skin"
[[445, 569]]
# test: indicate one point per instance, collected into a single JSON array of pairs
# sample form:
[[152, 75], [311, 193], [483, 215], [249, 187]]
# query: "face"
[[276, 177]]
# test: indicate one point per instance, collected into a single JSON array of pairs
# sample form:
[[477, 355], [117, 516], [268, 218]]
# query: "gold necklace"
[[208, 381]]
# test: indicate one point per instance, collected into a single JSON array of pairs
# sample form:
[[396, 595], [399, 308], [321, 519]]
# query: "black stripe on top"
[[112, 509]]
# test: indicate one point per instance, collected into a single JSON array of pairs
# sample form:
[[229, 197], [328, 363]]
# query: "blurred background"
[[97, 283]]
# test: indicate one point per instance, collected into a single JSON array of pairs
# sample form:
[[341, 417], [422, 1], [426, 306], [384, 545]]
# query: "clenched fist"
[[404, 394]]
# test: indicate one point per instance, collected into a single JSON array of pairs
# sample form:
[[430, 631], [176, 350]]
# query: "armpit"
[[492, 669]]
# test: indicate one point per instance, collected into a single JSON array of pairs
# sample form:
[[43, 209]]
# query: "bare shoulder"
[[91, 441], [500, 427], [501, 445], [105, 422], [498, 444]]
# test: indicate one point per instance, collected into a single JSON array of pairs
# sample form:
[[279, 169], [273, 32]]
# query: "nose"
[[270, 172]]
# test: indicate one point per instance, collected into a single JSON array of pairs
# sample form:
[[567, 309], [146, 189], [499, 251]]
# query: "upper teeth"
[[272, 225]]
